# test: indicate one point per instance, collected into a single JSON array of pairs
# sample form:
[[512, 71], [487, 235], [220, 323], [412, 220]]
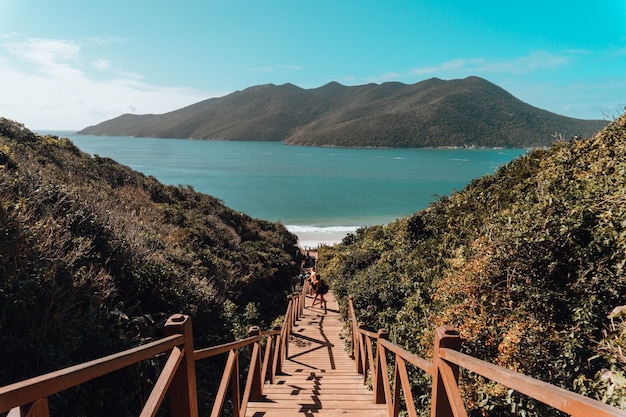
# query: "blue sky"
[[67, 64]]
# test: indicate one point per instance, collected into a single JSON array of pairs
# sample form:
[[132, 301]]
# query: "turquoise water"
[[308, 189]]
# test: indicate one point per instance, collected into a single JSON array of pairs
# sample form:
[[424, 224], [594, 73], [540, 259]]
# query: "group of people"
[[318, 285]]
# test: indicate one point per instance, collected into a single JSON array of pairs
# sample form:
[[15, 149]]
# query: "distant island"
[[471, 112]]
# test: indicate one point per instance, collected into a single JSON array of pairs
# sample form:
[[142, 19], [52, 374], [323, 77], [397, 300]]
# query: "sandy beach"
[[315, 238]]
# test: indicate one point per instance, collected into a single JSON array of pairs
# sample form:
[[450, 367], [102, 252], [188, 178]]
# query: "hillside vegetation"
[[431, 113], [528, 263], [94, 257]]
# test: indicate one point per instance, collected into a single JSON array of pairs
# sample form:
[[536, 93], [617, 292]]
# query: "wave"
[[293, 228], [314, 236]]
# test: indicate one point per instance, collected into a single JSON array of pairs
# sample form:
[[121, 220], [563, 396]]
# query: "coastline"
[[332, 231], [324, 194], [314, 236]]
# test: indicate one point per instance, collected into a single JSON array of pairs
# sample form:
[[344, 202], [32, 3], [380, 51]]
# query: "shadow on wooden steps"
[[319, 378]]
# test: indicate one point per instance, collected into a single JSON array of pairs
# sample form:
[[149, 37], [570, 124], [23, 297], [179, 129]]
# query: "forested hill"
[[528, 263], [431, 113], [95, 256]]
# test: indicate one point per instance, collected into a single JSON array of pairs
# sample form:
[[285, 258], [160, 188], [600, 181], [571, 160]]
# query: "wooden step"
[[319, 378]]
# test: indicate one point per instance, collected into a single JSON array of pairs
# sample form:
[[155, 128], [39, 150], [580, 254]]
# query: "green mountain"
[[432, 113], [528, 263], [95, 256]]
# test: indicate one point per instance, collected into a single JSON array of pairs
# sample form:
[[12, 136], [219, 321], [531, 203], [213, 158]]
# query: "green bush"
[[526, 263], [94, 257]]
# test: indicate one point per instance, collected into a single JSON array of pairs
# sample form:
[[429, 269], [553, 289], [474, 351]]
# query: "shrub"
[[94, 257], [525, 263]]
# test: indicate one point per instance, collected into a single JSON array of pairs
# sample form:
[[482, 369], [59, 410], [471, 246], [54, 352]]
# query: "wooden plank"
[[325, 413]]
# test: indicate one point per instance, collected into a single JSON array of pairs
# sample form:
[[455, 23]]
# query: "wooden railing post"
[[270, 361], [183, 395], [295, 310], [441, 404], [287, 328], [282, 342], [277, 363], [234, 385], [38, 408], [360, 357], [352, 321], [256, 389], [303, 297], [380, 373]]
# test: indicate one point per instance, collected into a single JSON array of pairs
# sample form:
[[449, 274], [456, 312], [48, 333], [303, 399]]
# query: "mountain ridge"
[[470, 112]]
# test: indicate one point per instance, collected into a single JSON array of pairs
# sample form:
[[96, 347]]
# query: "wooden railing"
[[446, 399], [371, 352], [31, 395], [178, 376], [276, 350]]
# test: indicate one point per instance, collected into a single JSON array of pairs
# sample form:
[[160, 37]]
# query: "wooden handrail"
[[407, 356], [179, 380], [446, 400], [200, 354], [276, 350], [30, 390], [178, 376], [230, 377], [556, 397]]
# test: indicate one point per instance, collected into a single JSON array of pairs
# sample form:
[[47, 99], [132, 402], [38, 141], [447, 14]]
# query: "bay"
[[320, 194]]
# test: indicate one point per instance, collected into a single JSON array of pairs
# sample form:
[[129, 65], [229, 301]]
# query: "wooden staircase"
[[311, 375], [318, 376]]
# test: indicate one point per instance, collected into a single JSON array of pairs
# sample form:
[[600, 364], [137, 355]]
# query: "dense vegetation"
[[529, 264], [94, 257], [432, 113]]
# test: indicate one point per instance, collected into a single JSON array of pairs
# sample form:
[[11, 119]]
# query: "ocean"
[[320, 194]]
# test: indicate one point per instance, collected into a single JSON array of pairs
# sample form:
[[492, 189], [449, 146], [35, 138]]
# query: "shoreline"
[[314, 237]]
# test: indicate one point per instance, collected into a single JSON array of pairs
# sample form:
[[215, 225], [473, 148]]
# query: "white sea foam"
[[295, 228], [314, 236]]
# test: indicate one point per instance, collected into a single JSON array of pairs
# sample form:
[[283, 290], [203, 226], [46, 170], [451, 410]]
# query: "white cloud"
[[446, 67], [521, 65], [96, 40], [577, 99], [390, 76], [44, 52], [259, 69], [270, 69], [619, 52], [46, 85], [101, 64]]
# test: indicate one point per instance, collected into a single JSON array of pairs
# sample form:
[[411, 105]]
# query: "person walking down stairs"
[[320, 287]]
